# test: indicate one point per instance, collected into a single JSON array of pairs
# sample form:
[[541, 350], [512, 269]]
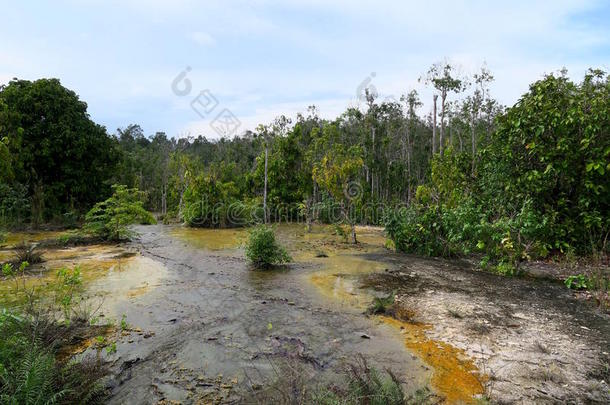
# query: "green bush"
[[262, 250], [110, 219]]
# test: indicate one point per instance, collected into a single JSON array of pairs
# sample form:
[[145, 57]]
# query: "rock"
[[365, 336]]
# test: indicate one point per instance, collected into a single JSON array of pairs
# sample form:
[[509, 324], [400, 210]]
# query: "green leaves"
[[262, 250], [111, 219]]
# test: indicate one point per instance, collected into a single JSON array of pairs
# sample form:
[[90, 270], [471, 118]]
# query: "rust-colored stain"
[[454, 375]]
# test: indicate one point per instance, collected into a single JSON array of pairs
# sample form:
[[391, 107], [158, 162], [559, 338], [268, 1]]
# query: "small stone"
[[365, 336]]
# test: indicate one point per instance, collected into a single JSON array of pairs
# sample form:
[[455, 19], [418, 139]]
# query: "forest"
[[516, 183], [487, 222]]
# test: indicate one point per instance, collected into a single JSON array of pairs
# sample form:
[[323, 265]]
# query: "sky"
[[208, 67]]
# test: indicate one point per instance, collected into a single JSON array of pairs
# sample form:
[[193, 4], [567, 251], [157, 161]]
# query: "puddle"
[[107, 271], [15, 238], [137, 276], [211, 239]]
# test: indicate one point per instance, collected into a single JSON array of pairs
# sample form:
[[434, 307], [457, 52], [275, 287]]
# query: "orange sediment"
[[454, 375]]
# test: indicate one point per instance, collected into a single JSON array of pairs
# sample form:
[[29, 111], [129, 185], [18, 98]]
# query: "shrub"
[[577, 282], [110, 219], [28, 253], [262, 250]]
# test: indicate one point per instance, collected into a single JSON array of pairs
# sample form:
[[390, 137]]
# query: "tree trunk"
[[308, 212], [441, 139], [434, 123], [474, 144], [354, 241], [265, 190], [372, 170], [408, 165]]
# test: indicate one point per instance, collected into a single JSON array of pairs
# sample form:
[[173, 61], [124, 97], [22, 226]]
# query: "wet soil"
[[221, 330], [202, 327]]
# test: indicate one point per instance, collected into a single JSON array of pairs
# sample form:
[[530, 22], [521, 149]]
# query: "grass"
[[382, 305], [359, 384]]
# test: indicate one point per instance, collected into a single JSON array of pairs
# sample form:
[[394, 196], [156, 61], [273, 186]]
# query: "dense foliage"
[[51, 150], [509, 184], [541, 185]]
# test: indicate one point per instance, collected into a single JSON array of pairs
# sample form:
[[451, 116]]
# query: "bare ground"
[[536, 341]]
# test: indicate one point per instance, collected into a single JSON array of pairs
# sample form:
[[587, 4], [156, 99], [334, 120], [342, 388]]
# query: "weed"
[[381, 305], [577, 282], [124, 324], [111, 348], [28, 253]]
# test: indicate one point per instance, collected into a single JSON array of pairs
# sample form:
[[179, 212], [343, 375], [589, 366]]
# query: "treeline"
[[542, 162]]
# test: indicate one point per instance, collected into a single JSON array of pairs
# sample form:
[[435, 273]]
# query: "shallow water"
[[336, 281], [213, 315]]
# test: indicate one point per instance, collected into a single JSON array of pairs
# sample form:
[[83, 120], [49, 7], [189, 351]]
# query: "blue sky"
[[262, 58]]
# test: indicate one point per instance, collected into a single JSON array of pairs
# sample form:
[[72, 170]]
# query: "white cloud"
[[202, 38]]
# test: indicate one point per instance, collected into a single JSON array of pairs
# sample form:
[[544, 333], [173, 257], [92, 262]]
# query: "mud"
[[203, 327], [222, 330]]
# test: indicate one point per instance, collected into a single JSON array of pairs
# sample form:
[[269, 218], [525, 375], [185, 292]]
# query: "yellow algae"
[[15, 238], [104, 270], [454, 375], [338, 279], [94, 261], [211, 239]]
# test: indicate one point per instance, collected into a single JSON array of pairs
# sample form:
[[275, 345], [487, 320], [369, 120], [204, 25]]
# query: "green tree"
[[111, 218], [337, 173], [64, 159], [553, 147]]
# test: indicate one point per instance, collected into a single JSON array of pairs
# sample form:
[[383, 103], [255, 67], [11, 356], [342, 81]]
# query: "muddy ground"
[[204, 328], [536, 341]]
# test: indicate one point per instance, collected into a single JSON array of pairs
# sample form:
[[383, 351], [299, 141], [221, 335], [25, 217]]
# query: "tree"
[[440, 75], [553, 149], [110, 219], [413, 103], [64, 159], [337, 172]]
